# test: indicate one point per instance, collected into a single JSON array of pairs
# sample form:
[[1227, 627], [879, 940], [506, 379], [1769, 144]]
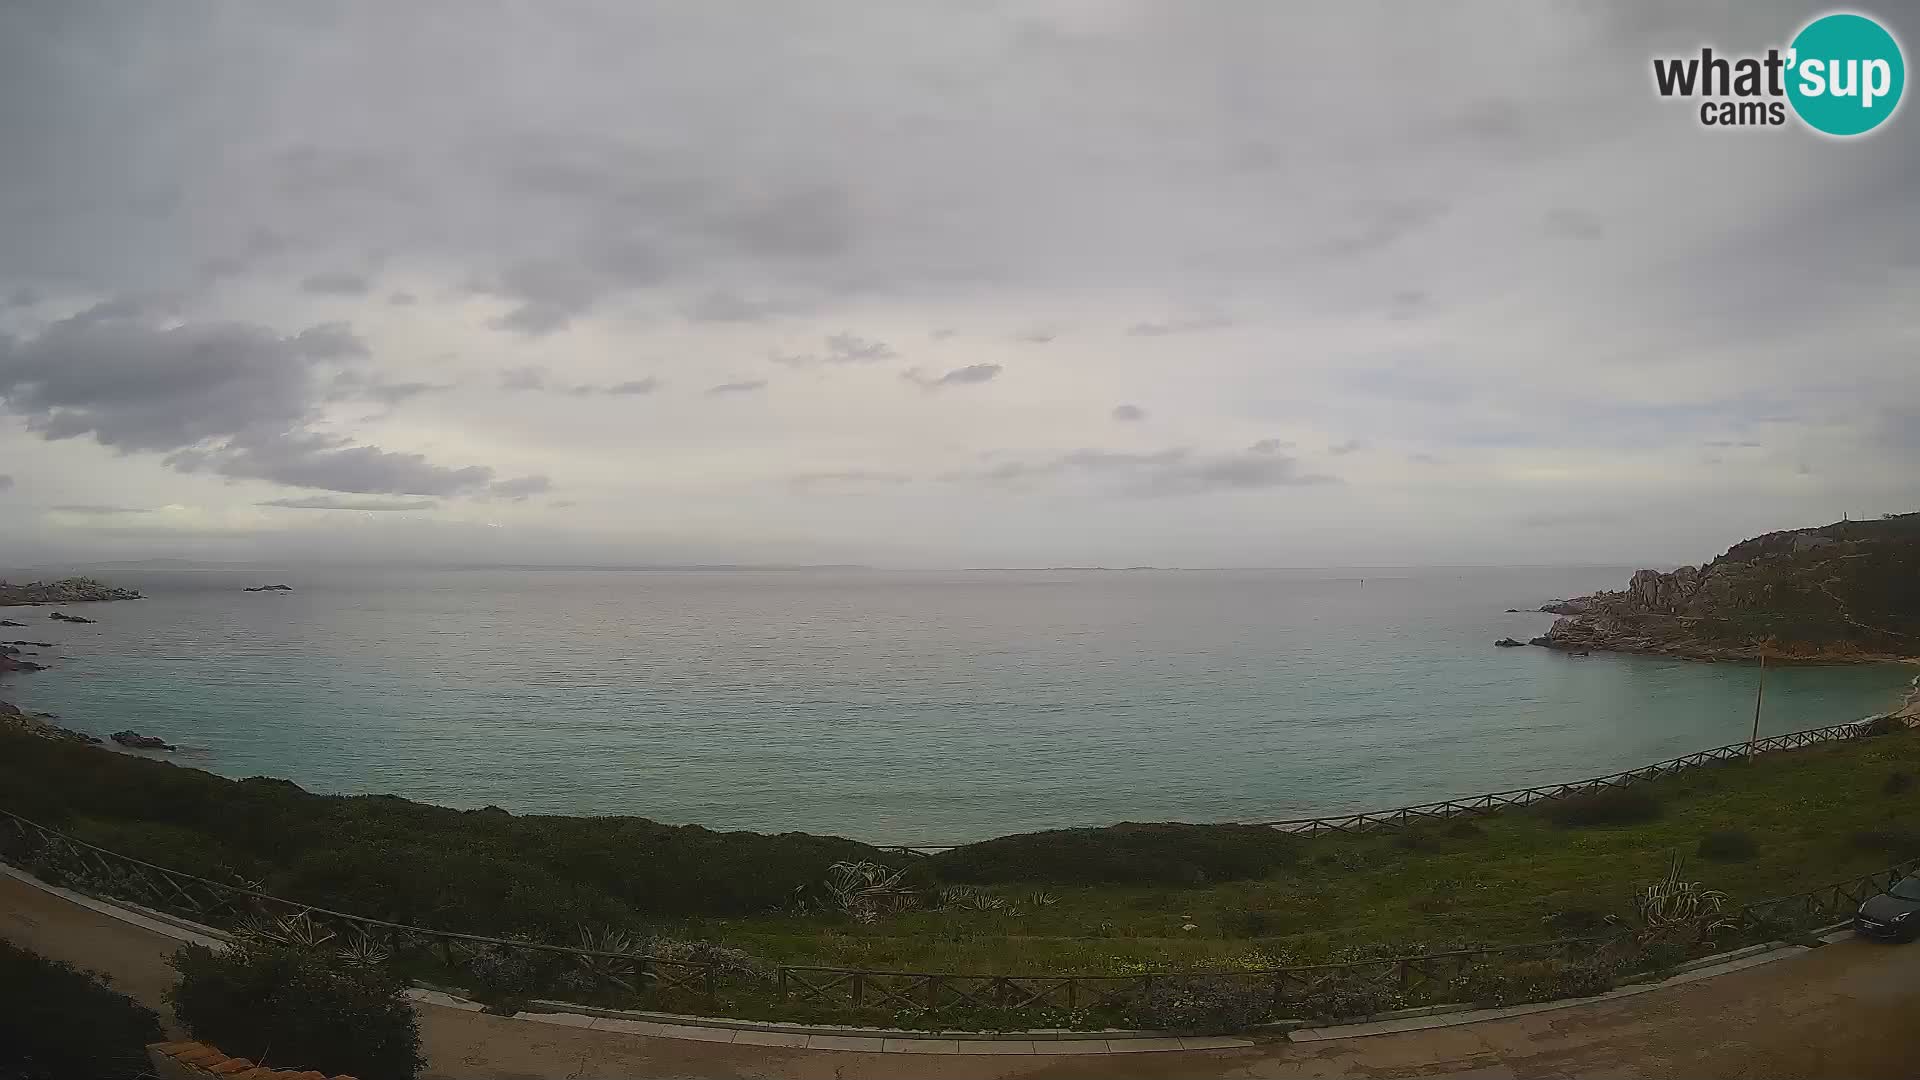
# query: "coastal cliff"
[[1849, 591]]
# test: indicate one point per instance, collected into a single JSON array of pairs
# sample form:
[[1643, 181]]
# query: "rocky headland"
[[75, 590], [1840, 593]]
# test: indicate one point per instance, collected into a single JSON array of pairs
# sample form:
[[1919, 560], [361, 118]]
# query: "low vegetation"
[[298, 1003], [59, 1023], [1115, 901]]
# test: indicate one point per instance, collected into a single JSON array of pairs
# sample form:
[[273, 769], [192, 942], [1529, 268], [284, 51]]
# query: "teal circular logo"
[[1845, 74]]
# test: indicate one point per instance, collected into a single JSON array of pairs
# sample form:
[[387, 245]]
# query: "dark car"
[[1894, 914]]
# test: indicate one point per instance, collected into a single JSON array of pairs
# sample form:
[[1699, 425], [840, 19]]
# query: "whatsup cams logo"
[[1842, 74]]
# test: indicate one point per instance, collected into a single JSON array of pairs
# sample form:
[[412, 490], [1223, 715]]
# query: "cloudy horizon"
[[909, 285]]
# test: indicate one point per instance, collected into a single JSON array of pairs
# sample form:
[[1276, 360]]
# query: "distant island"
[[1844, 592], [75, 590]]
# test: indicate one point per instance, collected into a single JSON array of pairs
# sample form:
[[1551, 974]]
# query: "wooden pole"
[[1759, 692]]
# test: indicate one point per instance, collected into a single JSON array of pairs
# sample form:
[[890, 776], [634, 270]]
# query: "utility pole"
[[1759, 691]]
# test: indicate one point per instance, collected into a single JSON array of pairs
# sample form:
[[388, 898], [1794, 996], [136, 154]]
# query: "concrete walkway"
[[1845, 1010]]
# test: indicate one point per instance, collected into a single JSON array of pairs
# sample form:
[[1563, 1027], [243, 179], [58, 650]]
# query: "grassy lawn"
[[1813, 816]]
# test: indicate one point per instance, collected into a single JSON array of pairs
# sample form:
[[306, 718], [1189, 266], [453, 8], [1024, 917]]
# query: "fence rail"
[[624, 978]]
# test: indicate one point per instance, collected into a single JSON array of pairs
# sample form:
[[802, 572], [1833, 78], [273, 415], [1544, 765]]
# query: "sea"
[[921, 708]]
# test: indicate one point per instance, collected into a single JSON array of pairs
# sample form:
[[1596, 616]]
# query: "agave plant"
[[297, 931], [868, 890], [1676, 910], [598, 971], [363, 949]]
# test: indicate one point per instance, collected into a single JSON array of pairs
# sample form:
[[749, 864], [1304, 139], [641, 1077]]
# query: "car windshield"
[[1907, 888]]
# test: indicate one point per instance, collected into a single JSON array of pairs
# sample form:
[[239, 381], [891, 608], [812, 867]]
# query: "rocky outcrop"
[[75, 590], [10, 622], [1510, 643], [10, 661], [268, 588], [59, 616], [18, 721], [1842, 592], [141, 742]]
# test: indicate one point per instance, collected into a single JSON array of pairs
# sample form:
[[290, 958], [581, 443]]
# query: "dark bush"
[[1574, 922], [1519, 984], [1893, 840], [58, 1023], [1728, 845], [1605, 806], [1133, 854], [1202, 1006], [1883, 725], [299, 1009], [1462, 828], [1897, 782]]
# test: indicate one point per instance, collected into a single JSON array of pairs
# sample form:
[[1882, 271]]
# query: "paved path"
[[1847, 1010]]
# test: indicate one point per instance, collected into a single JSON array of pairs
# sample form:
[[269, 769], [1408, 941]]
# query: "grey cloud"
[[6, 481], [1035, 336], [971, 374], [632, 387], [849, 478], [99, 510], [330, 464], [326, 502], [523, 378], [519, 488], [1351, 446], [23, 297], [1578, 224], [942, 334], [1174, 471], [401, 299], [1128, 414], [337, 283], [1179, 326], [847, 348], [1380, 225], [1270, 446], [330, 341], [744, 386], [1424, 459], [811, 222], [361, 385], [725, 306]]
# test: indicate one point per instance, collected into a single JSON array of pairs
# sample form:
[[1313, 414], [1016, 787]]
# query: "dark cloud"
[[744, 386], [337, 283], [811, 222], [228, 398], [23, 297], [1270, 446], [1128, 414], [1179, 326], [965, 376], [328, 502]]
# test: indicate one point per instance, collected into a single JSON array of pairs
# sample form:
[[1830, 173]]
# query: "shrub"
[[1202, 1006], [1897, 782], [1728, 845], [1605, 806], [1574, 922], [297, 1008], [1135, 854], [1537, 981], [1883, 725], [57, 1022]]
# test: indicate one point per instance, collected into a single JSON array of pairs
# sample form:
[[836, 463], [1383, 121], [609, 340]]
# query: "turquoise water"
[[899, 707]]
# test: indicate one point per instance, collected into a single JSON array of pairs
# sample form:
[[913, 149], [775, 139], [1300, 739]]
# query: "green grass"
[[1124, 898]]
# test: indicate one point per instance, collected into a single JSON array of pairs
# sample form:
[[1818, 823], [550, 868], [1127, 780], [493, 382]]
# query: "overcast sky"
[[934, 284]]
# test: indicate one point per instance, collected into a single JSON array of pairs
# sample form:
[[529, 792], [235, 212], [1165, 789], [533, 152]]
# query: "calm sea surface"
[[897, 707]]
